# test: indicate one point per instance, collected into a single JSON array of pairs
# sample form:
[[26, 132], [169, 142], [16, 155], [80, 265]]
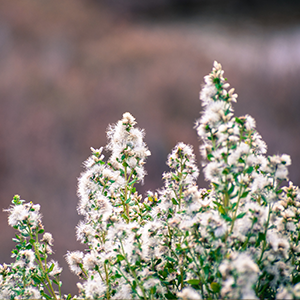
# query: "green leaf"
[[226, 171], [41, 231], [174, 201], [261, 236], [226, 218], [37, 279], [120, 257], [45, 295], [175, 177], [69, 297], [296, 279], [51, 268], [245, 194], [14, 251], [209, 156], [134, 285], [147, 206], [239, 121], [231, 189], [216, 186], [249, 170], [221, 210], [170, 296], [128, 200], [31, 241], [207, 270], [170, 259], [194, 281], [132, 182], [54, 281], [216, 287], [125, 217], [28, 246], [241, 215]]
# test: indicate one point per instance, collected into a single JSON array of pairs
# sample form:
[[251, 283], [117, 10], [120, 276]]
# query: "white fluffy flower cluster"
[[238, 239], [24, 212], [30, 275], [111, 207], [234, 240]]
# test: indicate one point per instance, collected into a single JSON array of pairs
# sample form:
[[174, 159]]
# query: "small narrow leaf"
[[193, 281]]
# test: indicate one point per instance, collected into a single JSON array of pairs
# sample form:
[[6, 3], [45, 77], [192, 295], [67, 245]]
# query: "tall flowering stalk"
[[248, 195], [112, 210], [239, 239]]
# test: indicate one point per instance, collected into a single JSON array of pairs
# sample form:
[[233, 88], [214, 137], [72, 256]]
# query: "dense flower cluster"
[[239, 239]]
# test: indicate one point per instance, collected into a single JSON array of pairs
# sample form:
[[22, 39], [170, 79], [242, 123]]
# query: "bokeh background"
[[69, 68]]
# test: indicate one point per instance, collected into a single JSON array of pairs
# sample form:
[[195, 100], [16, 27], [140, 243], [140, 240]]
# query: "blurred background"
[[69, 68]]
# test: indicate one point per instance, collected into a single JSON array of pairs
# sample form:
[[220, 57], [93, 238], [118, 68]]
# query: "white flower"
[[207, 92], [278, 243], [227, 286], [259, 144], [32, 293], [94, 288], [17, 214], [189, 293], [123, 293], [47, 238], [90, 260], [27, 257], [281, 172], [243, 263], [84, 232], [213, 171], [128, 119], [151, 282], [214, 113], [105, 207], [75, 259], [259, 183], [283, 293], [250, 123]]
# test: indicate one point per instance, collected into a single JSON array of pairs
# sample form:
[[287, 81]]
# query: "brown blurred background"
[[69, 68]]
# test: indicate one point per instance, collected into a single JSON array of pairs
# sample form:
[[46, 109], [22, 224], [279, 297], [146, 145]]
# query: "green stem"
[[84, 272], [127, 281], [59, 288], [126, 205], [133, 271], [265, 236], [202, 280], [248, 237], [226, 201], [107, 282], [181, 273], [41, 266], [236, 209]]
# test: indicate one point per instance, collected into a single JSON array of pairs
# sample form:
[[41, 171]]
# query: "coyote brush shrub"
[[239, 239]]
